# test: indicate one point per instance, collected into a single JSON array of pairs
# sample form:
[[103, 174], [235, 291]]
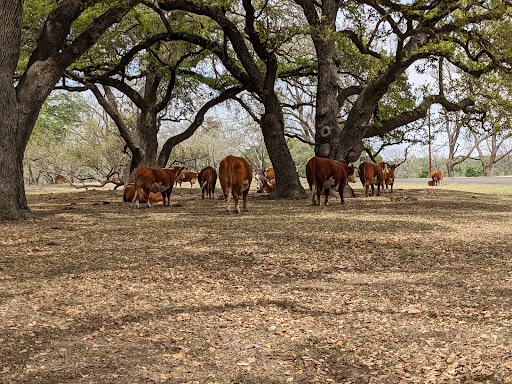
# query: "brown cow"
[[437, 177], [155, 180], [190, 177], [129, 193], [371, 174], [207, 179], [388, 171], [325, 174], [266, 180], [59, 179], [235, 176]]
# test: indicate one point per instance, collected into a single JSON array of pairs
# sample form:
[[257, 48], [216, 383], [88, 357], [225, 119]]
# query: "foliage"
[[424, 174], [471, 172], [72, 140]]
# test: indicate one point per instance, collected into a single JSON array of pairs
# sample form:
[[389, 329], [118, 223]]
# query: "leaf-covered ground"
[[410, 287]]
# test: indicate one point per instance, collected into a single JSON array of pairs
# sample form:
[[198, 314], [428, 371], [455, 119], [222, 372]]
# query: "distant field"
[[410, 287]]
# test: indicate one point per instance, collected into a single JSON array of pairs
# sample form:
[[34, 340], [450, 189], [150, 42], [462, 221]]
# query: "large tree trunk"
[[288, 185], [20, 106], [450, 168], [13, 203], [327, 128]]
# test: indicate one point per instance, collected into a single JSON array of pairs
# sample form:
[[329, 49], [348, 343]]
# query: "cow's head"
[[351, 174], [259, 177], [384, 167]]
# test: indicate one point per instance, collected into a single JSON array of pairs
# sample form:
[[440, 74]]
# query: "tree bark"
[[13, 204], [20, 106], [287, 179]]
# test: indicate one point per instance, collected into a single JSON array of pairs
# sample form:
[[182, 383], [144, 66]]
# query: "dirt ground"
[[410, 287]]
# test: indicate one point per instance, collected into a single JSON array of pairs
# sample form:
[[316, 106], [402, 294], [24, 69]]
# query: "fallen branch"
[[100, 184]]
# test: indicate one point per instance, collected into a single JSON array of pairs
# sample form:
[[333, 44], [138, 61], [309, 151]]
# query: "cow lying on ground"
[[371, 174], [437, 177], [190, 177], [266, 180], [155, 180], [207, 179], [235, 176], [325, 174], [129, 193], [388, 171]]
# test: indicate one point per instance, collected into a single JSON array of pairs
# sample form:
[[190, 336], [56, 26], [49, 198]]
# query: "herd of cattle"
[[235, 175]]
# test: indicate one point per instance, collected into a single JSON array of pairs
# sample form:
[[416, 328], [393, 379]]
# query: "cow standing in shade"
[[371, 174], [235, 176], [325, 174], [207, 179], [155, 180]]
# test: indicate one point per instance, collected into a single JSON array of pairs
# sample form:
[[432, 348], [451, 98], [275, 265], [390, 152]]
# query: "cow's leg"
[[245, 195], [236, 197], [326, 193], [313, 193], [378, 189], [318, 195], [228, 198], [341, 189], [367, 186]]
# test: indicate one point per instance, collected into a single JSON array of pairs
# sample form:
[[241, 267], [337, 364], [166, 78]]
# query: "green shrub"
[[425, 174], [471, 172]]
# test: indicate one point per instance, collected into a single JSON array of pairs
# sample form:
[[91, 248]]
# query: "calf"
[[324, 174], [437, 177], [207, 179], [266, 180], [155, 180], [235, 176], [388, 171], [371, 174], [190, 177], [129, 193]]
